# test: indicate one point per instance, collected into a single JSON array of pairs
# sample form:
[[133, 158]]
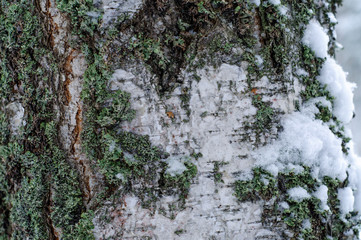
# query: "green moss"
[[27, 213], [180, 184], [266, 187], [179, 232], [124, 158], [83, 229], [262, 186], [264, 113], [38, 193], [216, 174], [151, 50], [82, 23]]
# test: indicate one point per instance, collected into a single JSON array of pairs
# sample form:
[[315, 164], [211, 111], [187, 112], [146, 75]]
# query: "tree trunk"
[[174, 119]]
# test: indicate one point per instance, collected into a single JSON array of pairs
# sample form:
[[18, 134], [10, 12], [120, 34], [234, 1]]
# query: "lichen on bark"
[[117, 117]]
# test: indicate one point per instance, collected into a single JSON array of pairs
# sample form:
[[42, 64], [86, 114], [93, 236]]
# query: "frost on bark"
[[174, 119]]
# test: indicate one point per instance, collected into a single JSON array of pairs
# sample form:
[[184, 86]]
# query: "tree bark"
[[143, 119]]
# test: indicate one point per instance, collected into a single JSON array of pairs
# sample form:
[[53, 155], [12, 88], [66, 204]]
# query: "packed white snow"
[[298, 194], [321, 193], [275, 2], [332, 17], [334, 78], [308, 141], [331, 74], [347, 199], [284, 205], [305, 141], [316, 38], [355, 176], [306, 224]]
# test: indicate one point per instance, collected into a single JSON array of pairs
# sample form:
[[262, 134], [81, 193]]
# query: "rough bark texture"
[[134, 119]]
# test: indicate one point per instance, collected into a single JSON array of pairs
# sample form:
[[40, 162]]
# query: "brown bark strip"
[[77, 129], [68, 72]]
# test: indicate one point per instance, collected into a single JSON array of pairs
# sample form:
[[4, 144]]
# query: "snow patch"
[[334, 78], [332, 17], [347, 200], [316, 38], [275, 2], [298, 194], [301, 72], [305, 141], [283, 10], [306, 224], [284, 205], [321, 193], [331, 74], [355, 176]]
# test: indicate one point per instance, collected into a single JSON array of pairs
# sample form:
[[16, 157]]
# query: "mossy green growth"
[[83, 229], [262, 186], [217, 175], [27, 213], [180, 183], [4, 128], [83, 15], [116, 109], [5, 79], [42, 189], [149, 49], [124, 158], [273, 190], [264, 113]]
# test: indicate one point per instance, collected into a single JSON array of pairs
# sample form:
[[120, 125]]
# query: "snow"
[[347, 199], [298, 194], [275, 2], [259, 61], [332, 17], [331, 74], [316, 38], [305, 141], [284, 205], [334, 78], [321, 193], [355, 176], [283, 10], [301, 72], [120, 176], [306, 224]]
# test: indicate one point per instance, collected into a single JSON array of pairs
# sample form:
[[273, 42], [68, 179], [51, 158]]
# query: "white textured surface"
[[347, 199], [117, 8], [305, 140], [16, 116], [332, 75], [334, 78], [316, 38], [220, 104], [322, 194], [298, 194]]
